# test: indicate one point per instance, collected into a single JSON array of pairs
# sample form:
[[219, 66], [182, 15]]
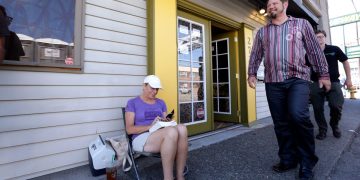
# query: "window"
[[337, 37], [350, 34], [49, 34], [191, 51], [358, 33], [221, 76], [183, 74]]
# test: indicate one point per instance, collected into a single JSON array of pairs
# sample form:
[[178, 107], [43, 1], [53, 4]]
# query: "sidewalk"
[[240, 152]]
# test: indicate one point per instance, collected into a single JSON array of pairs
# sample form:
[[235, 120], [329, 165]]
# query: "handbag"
[[121, 147]]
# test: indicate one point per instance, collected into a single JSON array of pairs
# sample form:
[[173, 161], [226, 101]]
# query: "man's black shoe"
[[280, 167], [336, 132], [321, 135], [306, 173]]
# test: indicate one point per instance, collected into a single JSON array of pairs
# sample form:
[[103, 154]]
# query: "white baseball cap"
[[153, 81]]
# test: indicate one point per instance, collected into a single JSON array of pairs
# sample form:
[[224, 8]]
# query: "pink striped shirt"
[[283, 49]]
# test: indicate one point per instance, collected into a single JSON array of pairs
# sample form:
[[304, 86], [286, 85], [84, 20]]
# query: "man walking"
[[282, 44], [335, 96]]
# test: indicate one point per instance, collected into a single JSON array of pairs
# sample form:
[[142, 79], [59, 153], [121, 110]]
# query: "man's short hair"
[[320, 31]]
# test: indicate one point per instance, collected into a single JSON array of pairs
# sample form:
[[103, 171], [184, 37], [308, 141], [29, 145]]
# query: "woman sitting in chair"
[[171, 142]]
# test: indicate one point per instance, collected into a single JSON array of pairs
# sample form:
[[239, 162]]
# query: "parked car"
[[184, 90]]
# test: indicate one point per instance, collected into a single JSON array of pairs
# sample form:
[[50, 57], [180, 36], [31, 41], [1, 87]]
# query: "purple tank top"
[[145, 113]]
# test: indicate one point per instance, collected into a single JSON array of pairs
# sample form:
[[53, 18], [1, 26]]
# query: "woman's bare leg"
[[182, 151], [164, 141]]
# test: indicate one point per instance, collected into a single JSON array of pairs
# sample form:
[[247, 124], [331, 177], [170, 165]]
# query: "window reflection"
[[191, 65], [197, 52], [185, 113], [183, 30], [198, 91], [199, 111], [197, 33], [183, 49], [197, 70], [184, 71], [45, 30]]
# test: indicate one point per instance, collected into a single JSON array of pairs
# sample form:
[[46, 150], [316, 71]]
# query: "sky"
[[339, 8]]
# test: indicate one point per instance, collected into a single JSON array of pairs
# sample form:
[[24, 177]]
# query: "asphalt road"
[[250, 153]]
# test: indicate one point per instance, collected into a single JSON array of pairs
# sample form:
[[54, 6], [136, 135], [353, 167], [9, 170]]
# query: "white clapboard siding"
[[92, 21], [114, 15], [44, 120], [10, 78], [110, 46], [121, 6], [47, 120], [46, 148], [97, 33], [136, 3], [65, 92], [262, 107], [107, 57], [21, 169], [16, 138], [59, 105], [107, 68]]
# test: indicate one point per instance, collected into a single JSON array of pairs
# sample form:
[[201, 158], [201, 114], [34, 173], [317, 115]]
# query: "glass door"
[[193, 75], [225, 89]]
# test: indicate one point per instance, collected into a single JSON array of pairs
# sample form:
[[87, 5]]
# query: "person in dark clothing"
[[4, 31], [335, 96], [281, 45], [10, 44]]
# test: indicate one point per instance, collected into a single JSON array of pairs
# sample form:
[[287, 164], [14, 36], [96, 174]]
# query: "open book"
[[161, 124]]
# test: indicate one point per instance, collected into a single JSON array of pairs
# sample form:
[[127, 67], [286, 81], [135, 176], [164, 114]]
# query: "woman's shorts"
[[139, 142]]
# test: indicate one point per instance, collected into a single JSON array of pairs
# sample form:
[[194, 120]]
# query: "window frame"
[[217, 83], [192, 81], [52, 67]]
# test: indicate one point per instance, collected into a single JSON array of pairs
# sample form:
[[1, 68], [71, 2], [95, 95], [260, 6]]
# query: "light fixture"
[[262, 11]]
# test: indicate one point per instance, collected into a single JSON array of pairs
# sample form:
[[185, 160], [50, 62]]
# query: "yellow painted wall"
[[162, 56], [251, 96], [248, 96], [162, 48]]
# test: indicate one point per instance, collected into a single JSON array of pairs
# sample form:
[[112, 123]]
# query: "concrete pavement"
[[240, 152]]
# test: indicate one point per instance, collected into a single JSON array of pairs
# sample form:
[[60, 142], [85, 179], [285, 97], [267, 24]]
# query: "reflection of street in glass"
[[185, 95], [184, 90]]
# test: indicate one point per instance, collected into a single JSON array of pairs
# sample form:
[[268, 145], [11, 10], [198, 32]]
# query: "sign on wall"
[[345, 19], [352, 51]]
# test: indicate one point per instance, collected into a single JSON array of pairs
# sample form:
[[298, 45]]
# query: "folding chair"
[[136, 154]]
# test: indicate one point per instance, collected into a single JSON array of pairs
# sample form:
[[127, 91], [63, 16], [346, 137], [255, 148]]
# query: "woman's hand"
[[156, 120], [166, 119]]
